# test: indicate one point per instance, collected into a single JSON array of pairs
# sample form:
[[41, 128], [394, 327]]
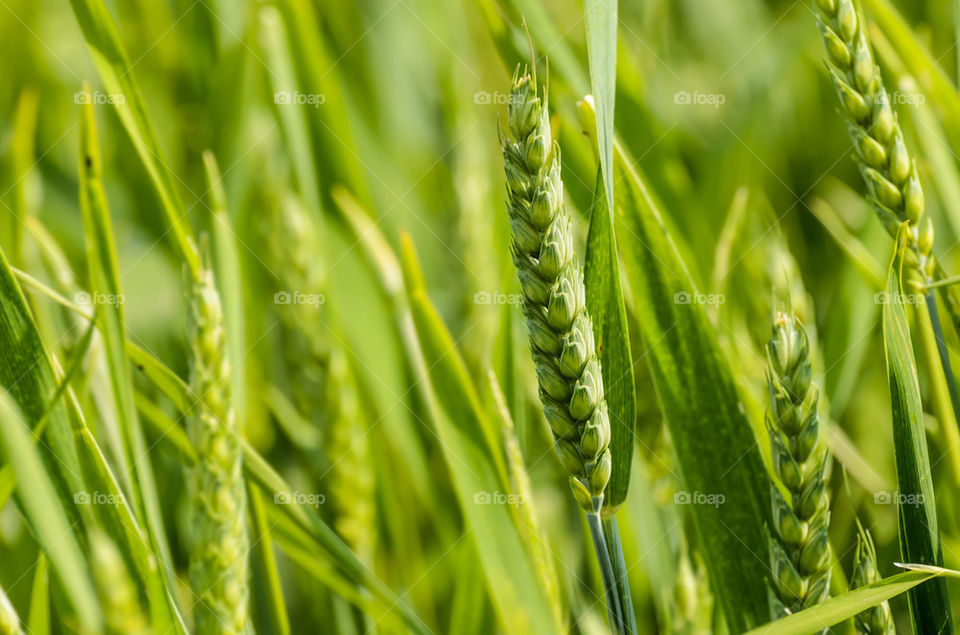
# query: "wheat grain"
[[876, 620], [799, 545], [885, 162], [218, 557], [560, 329], [118, 595]]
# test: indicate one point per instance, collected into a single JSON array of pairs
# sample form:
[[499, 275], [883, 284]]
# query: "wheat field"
[[485, 316]]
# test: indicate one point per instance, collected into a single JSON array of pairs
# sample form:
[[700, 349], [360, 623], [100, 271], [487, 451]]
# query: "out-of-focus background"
[[388, 110]]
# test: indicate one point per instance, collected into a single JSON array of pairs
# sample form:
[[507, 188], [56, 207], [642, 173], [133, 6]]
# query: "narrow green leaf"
[[843, 607], [110, 58], [267, 593], [919, 532], [716, 450], [108, 298], [71, 453], [292, 117], [605, 303], [38, 620], [38, 499], [600, 18]]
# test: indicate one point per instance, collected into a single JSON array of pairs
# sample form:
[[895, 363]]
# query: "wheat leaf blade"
[[715, 446], [43, 508], [843, 607], [919, 533]]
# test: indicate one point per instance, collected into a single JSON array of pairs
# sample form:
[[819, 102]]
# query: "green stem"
[[611, 535], [606, 572], [931, 302]]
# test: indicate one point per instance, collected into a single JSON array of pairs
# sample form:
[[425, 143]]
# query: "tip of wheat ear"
[[554, 300]]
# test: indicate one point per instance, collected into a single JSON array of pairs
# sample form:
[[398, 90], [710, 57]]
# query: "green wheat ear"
[[118, 595], [877, 620], [560, 329], [219, 546], [799, 544], [885, 162], [324, 388]]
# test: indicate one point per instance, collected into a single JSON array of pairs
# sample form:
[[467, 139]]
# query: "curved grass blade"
[[43, 508], [600, 18], [716, 449], [916, 508], [606, 305], [75, 460], [268, 592], [843, 607], [137, 473], [110, 58], [38, 620]]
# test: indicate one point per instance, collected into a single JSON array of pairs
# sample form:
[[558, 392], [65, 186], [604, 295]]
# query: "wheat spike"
[[560, 329]]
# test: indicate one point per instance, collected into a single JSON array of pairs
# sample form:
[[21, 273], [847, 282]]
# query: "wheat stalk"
[[118, 595], [554, 304], [799, 545], [885, 162], [877, 620], [560, 329], [218, 557], [9, 620]]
